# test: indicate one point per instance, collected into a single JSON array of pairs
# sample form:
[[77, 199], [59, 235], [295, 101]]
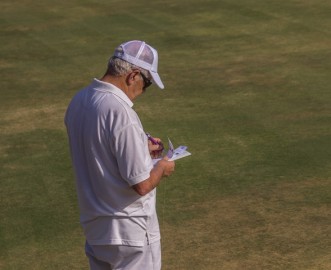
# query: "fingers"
[[159, 144], [157, 140], [155, 147], [168, 166]]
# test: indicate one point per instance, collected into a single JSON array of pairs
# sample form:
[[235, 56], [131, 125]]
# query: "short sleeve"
[[132, 154]]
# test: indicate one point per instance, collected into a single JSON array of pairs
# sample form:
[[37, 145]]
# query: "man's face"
[[147, 81], [140, 83]]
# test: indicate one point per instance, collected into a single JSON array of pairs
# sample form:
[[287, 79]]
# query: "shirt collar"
[[108, 87]]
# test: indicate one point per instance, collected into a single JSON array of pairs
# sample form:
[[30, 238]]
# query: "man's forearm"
[[150, 183]]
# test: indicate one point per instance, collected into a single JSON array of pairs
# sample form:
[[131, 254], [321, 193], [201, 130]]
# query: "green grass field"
[[247, 89]]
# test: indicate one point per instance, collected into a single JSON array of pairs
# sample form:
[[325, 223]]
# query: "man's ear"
[[131, 77]]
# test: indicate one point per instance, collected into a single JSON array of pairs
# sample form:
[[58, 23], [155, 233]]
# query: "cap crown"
[[141, 55]]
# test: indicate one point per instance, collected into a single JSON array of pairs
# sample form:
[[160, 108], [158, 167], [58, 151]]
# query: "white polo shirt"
[[109, 151]]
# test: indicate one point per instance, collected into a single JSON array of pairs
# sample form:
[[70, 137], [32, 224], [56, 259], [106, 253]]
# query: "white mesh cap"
[[142, 55]]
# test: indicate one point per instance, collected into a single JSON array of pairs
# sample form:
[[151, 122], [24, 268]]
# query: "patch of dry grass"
[[282, 226], [25, 119]]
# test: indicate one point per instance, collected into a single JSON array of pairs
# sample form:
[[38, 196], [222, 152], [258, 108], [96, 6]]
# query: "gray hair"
[[118, 67]]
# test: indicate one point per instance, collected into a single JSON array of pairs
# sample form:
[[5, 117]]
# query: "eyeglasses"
[[147, 82]]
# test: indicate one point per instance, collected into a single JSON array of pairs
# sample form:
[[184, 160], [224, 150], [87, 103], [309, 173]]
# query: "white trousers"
[[111, 257]]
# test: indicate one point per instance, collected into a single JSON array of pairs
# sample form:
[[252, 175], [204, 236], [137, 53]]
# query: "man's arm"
[[162, 169]]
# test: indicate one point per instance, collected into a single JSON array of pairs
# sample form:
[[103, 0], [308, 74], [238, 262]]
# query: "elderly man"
[[111, 156]]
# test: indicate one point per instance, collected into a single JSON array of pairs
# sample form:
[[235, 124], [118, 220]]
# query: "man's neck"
[[119, 82]]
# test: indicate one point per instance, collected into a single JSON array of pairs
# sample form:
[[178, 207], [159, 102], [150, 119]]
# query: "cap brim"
[[157, 79]]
